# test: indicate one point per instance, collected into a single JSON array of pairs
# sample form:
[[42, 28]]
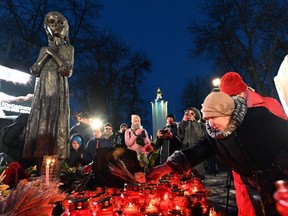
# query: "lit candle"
[[177, 211], [164, 205], [195, 189], [212, 212], [48, 161], [151, 209], [130, 210]]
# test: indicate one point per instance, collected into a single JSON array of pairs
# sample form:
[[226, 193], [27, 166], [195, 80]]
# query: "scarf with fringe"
[[237, 118]]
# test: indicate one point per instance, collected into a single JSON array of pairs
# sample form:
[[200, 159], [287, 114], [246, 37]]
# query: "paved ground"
[[220, 198]]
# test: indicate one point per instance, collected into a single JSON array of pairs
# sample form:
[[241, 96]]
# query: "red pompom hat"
[[232, 83]]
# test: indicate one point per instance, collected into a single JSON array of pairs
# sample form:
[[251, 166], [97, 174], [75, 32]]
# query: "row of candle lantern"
[[173, 195]]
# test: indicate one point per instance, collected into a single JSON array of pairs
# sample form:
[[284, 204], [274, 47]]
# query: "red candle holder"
[[175, 212], [132, 192], [281, 197], [130, 209], [79, 207], [165, 204], [179, 200]]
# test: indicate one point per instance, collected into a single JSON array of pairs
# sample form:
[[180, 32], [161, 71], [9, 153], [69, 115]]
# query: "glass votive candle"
[[117, 201], [106, 211], [165, 203], [109, 190], [153, 214], [132, 192], [151, 209], [281, 197], [80, 207], [175, 212], [185, 183], [179, 200], [130, 209]]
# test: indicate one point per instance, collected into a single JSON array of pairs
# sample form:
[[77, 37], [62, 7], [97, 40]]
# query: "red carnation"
[[14, 173], [87, 169]]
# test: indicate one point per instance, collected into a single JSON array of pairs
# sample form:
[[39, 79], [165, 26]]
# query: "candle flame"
[[130, 205], [165, 197], [48, 161]]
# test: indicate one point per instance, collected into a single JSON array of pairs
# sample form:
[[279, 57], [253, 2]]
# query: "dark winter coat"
[[120, 140], [254, 146], [168, 146], [13, 137], [76, 155], [190, 132], [85, 131], [91, 148]]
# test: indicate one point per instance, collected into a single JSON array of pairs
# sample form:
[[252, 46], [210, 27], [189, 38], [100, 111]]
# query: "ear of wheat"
[[120, 170], [32, 198]]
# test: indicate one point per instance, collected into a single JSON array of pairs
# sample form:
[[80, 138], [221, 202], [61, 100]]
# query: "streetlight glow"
[[96, 123], [216, 82]]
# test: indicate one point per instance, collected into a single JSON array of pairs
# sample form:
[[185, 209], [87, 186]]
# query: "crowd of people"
[[246, 131], [90, 139], [173, 136]]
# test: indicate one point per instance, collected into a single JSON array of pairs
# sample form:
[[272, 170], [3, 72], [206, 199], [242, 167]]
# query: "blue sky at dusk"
[[159, 28]]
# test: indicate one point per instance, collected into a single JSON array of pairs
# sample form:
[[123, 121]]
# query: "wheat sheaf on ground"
[[31, 198]]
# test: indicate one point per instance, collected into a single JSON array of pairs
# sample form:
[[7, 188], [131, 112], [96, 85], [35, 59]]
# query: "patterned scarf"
[[237, 118]]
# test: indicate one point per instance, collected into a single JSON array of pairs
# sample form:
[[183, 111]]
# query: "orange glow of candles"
[[151, 209], [195, 189], [130, 209]]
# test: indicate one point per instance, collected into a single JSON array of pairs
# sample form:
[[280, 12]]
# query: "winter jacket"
[[169, 145], [84, 130], [13, 137], [190, 132], [120, 140], [130, 140], [76, 155], [92, 146]]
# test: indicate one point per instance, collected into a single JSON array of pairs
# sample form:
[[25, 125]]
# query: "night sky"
[[159, 28]]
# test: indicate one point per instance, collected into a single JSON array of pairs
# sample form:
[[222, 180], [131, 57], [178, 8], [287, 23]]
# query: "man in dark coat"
[[120, 136], [13, 137], [167, 140], [97, 143], [83, 128]]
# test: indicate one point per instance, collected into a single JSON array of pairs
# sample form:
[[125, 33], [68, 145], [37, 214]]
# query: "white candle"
[[48, 161]]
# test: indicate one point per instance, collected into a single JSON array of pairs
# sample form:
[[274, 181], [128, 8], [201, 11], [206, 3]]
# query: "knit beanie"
[[197, 113], [232, 83], [108, 124], [123, 125], [85, 115], [133, 116], [217, 104], [77, 139], [171, 115]]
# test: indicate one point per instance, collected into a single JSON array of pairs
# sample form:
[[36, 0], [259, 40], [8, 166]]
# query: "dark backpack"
[[140, 138]]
